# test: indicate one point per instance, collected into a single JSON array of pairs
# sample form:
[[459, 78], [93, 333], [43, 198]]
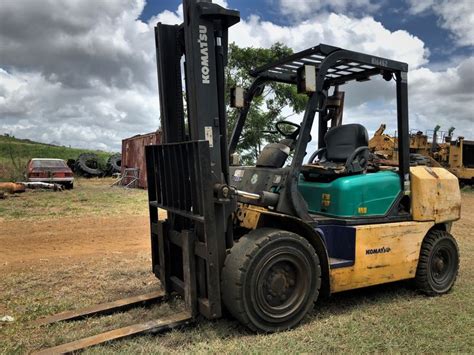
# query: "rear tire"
[[271, 279], [438, 264]]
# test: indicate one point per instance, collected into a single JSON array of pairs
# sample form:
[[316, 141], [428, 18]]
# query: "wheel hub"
[[279, 284], [439, 264]]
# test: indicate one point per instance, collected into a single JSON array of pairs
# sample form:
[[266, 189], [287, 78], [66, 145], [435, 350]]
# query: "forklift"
[[263, 243]]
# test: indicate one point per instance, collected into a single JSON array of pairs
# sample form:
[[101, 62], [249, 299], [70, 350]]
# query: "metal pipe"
[[249, 195]]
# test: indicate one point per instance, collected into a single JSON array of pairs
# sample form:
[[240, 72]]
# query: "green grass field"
[[392, 318], [15, 154]]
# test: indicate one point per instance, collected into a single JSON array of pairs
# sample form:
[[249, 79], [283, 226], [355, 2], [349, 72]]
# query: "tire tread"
[[239, 258], [422, 272]]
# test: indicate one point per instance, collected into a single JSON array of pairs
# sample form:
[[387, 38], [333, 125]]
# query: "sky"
[[83, 72]]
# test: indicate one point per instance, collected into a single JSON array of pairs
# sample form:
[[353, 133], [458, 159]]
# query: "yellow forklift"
[[266, 241]]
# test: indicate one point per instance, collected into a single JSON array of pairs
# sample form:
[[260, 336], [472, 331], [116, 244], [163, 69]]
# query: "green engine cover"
[[352, 196]]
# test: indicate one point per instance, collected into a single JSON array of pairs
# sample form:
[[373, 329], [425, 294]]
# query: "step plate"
[[335, 263]]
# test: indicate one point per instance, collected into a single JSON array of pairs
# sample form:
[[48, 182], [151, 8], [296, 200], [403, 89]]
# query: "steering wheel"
[[285, 132]]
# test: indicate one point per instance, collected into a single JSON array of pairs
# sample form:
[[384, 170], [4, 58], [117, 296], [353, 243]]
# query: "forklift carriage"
[[266, 241]]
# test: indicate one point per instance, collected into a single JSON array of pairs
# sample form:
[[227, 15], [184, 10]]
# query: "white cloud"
[[419, 6], [78, 72], [33, 107], [365, 35], [455, 16], [301, 9], [445, 98]]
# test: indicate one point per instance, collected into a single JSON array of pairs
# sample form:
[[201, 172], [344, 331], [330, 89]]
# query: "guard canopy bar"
[[360, 67]]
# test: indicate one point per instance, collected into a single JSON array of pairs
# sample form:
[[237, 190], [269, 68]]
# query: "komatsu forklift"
[[265, 241]]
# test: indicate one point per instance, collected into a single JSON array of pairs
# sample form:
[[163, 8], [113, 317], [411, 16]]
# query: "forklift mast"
[[203, 41], [184, 173]]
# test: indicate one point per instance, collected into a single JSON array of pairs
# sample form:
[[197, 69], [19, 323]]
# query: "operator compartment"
[[362, 195]]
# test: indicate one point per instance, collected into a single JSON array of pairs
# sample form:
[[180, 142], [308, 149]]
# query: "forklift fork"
[[153, 326]]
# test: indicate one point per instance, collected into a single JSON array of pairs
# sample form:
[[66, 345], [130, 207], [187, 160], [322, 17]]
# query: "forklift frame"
[[189, 173]]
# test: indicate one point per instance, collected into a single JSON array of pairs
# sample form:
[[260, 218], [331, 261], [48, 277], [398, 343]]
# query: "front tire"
[[271, 279], [438, 264]]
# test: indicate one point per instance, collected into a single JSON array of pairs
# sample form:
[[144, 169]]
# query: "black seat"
[[274, 155], [346, 152]]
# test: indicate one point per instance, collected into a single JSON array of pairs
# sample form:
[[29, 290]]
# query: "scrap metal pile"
[[438, 149], [18, 187]]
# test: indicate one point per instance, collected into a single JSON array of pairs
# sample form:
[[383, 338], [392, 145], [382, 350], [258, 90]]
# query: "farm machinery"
[[265, 242], [441, 150]]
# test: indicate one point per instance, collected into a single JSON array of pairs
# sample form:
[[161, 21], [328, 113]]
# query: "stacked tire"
[[114, 164], [87, 165]]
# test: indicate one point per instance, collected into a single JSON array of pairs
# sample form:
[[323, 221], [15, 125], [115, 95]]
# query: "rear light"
[[63, 174]]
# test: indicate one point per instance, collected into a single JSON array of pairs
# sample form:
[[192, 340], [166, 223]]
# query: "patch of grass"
[[89, 197], [387, 318]]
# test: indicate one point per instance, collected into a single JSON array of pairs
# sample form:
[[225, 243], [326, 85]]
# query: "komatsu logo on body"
[[377, 251], [204, 54]]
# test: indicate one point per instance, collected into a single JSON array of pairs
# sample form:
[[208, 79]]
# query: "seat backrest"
[[341, 141], [273, 155]]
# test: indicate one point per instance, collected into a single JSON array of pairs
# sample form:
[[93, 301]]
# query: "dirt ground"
[[70, 240], [56, 264]]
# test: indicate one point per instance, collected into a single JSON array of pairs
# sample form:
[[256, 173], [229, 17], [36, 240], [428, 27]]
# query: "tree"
[[265, 110]]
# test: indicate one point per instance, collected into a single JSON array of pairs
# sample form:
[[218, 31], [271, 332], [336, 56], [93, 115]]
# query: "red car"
[[50, 170]]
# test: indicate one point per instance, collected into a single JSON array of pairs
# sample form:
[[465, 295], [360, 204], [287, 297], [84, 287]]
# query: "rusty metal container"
[[133, 154]]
